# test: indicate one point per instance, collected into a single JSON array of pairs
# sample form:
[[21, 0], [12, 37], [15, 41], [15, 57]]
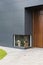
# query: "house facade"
[[16, 18]]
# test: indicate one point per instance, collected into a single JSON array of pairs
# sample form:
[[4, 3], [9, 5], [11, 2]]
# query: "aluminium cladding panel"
[[11, 20], [30, 3]]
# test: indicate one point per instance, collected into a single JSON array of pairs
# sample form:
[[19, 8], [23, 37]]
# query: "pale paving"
[[31, 56]]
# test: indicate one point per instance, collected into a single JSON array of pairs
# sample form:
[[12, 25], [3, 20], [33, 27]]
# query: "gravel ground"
[[31, 56]]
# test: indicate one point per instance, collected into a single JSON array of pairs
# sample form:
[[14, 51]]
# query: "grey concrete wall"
[[12, 18]]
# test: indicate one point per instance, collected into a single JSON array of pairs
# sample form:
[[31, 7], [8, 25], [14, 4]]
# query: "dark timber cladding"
[[38, 27], [35, 16]]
